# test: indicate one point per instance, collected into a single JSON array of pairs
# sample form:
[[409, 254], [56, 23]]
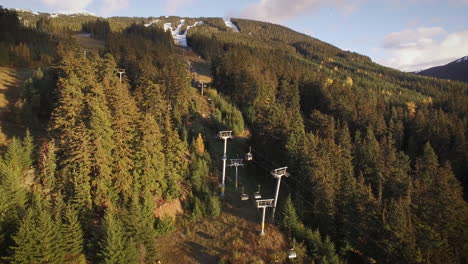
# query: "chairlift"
[[249, 156], [257, 194], [244, 196], [292, 253]]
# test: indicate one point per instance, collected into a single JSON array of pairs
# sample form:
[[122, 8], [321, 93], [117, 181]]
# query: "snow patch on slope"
[[26, 10], [154, 21], [71, 13], [229, 24], [462, 59], [180, 39]]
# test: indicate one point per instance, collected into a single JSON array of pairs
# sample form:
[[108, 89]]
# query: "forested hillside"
[[377, 157]]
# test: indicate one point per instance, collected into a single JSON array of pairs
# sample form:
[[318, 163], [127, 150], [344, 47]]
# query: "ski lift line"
[[274, 166], [304, 187], [268, 170], [272, 163], [292, 254]]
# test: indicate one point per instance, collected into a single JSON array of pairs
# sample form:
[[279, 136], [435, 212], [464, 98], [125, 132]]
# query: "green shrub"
[[165, 225]]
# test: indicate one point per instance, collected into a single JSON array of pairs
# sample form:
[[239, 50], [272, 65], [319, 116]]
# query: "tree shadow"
[[205, 235], [198, 252]]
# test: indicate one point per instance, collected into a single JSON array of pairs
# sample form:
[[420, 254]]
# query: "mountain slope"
[[456, 70], [372, 153]]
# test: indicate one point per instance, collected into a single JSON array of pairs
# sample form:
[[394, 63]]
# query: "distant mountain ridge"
[[456, 70]]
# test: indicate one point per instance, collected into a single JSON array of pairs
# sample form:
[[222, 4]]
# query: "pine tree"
[[47, 167], [139, 222], [13, 188], [125, 116], [199, 173], [176, 165], [72, 234], [117, 247], [12, 170], [290, 220], [72, 139], [101, 146], [150, 159], [440, 214], [151, 99], [39, 238], [25, 249], [369, 160]]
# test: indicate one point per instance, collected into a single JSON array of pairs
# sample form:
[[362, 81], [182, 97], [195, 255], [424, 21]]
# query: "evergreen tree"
[[102, 146], [72, 139], [72, 234], [39, 238], [369, 160], [47, 167], [439, 211], [125, 115], [139, 222], [150, 159], [176, 165], [117, 247], [290, 219]]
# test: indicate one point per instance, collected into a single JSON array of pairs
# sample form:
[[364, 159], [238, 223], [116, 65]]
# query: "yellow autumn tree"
[[411, 109], [199, 145], [349, 82]]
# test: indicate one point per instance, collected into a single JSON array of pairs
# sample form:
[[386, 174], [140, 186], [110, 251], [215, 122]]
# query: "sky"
[[408, 35]]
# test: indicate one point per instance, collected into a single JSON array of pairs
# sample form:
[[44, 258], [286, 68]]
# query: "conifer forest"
[[108, 125]]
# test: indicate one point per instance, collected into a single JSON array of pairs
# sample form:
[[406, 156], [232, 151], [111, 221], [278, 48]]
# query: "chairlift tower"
[[264, 204], [202, 85], [278, 173], [236, 163], [224, 135], [121, 71]]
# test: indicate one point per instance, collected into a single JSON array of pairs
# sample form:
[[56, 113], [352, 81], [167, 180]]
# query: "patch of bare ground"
[[169, 208], [229, 237], [200, 69], [87, 42], [11, 80]]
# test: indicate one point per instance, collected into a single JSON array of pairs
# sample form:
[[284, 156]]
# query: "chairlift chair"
[[292, 253], [244, 196], [257, 194], [249, 156]]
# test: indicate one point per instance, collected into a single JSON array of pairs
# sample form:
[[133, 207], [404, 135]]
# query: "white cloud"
[[422, 48], [281, 10], [110, 6], [172, 6], [67, 5]]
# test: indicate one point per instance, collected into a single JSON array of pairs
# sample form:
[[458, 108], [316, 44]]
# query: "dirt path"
[[11, 80]]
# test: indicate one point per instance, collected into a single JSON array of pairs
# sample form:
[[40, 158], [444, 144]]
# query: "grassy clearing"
[[88, 42], [201, 69], [11, 80], [232, 237]]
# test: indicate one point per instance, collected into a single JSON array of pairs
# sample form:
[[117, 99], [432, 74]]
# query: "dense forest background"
[[377, 157]]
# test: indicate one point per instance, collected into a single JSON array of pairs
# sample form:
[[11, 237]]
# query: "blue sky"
[[404, 34]]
